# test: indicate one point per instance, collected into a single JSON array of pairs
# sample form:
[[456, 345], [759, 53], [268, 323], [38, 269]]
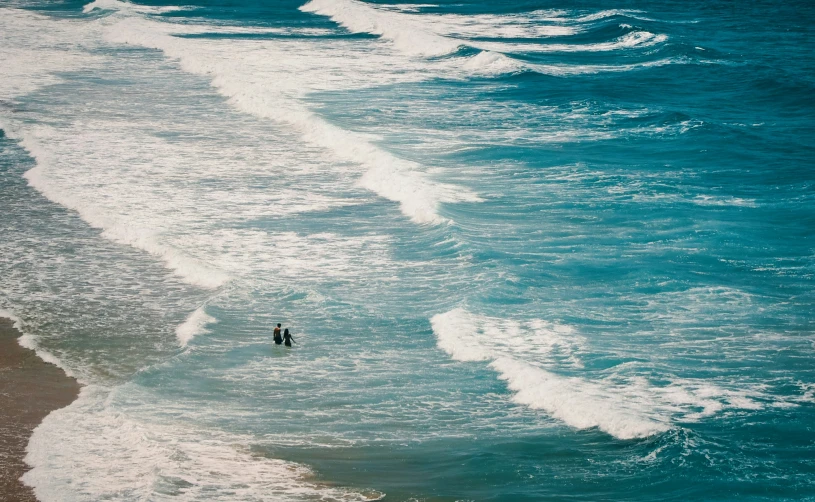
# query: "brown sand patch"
[[30, 389]]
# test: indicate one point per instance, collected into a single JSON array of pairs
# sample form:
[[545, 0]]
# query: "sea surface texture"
[[528, 250]]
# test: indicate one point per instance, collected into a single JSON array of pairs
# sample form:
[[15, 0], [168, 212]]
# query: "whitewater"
[[533, 251]]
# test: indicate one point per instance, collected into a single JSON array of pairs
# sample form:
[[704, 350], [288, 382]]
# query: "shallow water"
[[527, 251]]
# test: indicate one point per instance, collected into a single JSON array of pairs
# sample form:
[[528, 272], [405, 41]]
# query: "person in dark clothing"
[[277, 338], [287, 336]]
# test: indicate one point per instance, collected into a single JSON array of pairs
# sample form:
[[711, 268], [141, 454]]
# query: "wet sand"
[[30, 389]]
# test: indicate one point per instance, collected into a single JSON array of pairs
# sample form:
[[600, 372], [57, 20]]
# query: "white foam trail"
[[184, 266], [404, 31], [435, 35], [482, 26], [711, 200], [525, 355], [120, 457], [635, 39], [605, 14], [196, 324], [469, 337], [32, 51], [43, 47], [566, 70], [576, 401], [115, 229], [106, 5], [118, 5], [275, 98]]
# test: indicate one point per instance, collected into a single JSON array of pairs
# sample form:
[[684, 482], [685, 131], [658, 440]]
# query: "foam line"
[[407, 34], [581, 403], [635, 39], [429, 38], [34, 48], [118, 5], [186, 267], [605, 14], [530, 355], [578, 402], [119, 456], [396, 179]]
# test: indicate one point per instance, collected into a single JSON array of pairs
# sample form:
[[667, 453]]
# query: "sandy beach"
[[30, 389]]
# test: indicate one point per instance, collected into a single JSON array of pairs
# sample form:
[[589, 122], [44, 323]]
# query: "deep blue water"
[[528, 251]]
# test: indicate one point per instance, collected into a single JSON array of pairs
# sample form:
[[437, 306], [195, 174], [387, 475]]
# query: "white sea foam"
[[605, 14], [17, 322], [407, 33], [40, 47], [578, 402], [566, 70], [35, 48], [712, 200], [116, 456], [255, 87], [635, 39], [408, 7], [115, 228], [469, 337], [290, 257], [119, 5], [487, 62], [530, 356], [196, 324], [480, 26], [492, 62], [30, 342], [433, 35]]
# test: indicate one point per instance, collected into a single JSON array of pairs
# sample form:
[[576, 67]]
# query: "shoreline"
[[30, 389]]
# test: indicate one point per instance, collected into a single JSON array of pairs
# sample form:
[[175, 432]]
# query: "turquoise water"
[[528, 251]]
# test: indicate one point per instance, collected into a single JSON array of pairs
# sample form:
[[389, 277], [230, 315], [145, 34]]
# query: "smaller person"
[[277, 338], [287, 336]]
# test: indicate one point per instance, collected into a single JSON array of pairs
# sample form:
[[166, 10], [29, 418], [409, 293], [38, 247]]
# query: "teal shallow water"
[[528, 251]]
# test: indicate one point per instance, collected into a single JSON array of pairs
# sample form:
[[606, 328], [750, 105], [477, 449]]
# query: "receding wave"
[[634, 39], [30, 342], [120, 457]]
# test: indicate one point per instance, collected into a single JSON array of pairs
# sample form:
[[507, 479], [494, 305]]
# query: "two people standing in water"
[[286, 338]]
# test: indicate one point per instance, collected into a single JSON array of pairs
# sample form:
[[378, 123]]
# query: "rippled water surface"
[[528, 251]]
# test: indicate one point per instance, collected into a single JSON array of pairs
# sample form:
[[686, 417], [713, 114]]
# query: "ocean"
[[527, 250]]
